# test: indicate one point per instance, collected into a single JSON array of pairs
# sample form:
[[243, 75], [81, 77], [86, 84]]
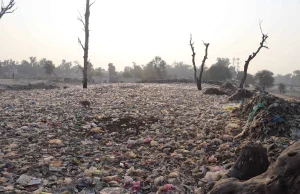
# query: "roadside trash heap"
[[271, 116]]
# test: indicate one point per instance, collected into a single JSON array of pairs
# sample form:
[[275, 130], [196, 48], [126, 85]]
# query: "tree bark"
[[198, 80], [86, 47], [282, 177], [245, 74], [202, 67], [86, 44], [253, 161]]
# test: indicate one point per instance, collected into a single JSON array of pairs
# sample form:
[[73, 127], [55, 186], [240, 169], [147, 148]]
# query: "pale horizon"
[[129, 31]]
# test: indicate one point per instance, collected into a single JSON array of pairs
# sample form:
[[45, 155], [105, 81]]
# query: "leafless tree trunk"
[[198, 80], [85, 48], [263, 41], [7, 8]]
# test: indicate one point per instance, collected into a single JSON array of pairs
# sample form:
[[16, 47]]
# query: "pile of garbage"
[[226, 88], [214, 91], [271, 116], [229, 87], [241, 94]]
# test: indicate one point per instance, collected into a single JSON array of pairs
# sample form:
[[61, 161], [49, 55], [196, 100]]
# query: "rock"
[[25, 180], [55, 141], [112, 190]]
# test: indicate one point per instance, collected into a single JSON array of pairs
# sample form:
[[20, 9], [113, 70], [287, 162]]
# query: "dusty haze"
[[134, 30]]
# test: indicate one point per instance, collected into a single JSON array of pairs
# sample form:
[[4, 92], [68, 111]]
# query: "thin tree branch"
[[79, 18], [261, 45], [79, 41], [92, 3], [7, 9], [78, 66], [193, 58]]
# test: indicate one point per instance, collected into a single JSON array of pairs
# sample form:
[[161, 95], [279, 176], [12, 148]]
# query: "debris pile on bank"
[[271, 116]]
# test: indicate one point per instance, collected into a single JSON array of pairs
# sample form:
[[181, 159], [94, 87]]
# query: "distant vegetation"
[[291, 79], [223, 69]]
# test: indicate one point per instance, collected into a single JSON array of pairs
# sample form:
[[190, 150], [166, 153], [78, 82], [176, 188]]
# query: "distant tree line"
[[155, 69], [292, 79]]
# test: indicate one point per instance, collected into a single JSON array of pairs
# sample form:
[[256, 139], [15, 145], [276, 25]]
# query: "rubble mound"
[[241, 94], [271, 116], [229, 87], [214, 91], [282, 177]]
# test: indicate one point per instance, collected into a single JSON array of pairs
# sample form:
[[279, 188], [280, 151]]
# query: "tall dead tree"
[[198, 79], [5, 9], [262, 45], [85, 48]]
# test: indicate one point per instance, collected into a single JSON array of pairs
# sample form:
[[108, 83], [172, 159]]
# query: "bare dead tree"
[[5, 9], [261, 45], [198, 79], [85, 47]]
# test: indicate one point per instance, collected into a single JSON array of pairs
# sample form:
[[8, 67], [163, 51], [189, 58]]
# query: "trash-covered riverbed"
[[135, 138]]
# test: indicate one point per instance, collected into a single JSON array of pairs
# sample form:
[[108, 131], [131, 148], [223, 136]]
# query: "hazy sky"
[[123, 31]]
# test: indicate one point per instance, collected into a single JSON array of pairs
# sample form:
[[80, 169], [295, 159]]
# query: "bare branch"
[[8, 8], [79, 66], [260, 22], [79, 18], [92, 3], [193, 58], [261, 45], [77, 63], [79, 41]]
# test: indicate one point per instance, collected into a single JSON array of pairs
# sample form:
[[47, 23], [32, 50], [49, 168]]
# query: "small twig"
[[92, 3], [79, 41], [79, 18]]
